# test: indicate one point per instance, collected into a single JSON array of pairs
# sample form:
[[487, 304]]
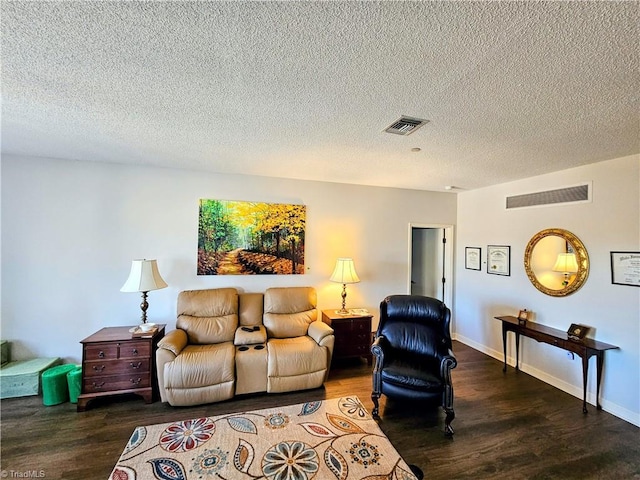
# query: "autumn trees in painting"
[[244, 238]]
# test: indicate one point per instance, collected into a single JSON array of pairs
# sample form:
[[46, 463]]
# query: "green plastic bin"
[[74, 380], [55, 389]]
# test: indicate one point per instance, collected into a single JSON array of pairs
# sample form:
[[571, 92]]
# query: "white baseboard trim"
[[576, 391]]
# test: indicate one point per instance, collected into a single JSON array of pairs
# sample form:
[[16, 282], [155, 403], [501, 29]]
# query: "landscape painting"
[[249, 238]]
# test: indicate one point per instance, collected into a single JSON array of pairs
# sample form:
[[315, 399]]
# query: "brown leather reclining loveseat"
[[228, 343]]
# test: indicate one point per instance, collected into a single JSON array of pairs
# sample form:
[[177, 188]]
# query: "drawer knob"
[[135, 365], [135, 351], [136, 381], [98, 385], [101, 354], [98, 368]]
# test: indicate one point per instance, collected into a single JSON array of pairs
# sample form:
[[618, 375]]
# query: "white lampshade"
[[566, 263], [144, 277], [345, 272]]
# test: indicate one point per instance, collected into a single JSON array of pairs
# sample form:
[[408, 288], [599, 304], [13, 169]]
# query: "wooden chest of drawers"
[[352, 332], [115, 363]]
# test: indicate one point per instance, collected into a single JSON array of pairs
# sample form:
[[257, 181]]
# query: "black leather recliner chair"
[[413, 353]]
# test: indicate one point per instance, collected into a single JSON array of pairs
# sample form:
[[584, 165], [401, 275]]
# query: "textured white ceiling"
[[305, 89]]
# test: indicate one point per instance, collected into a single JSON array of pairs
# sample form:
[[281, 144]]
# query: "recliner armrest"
[[380, 343], [377, 349], [447, 363], [174, 341], [250, 335], [319, 330]]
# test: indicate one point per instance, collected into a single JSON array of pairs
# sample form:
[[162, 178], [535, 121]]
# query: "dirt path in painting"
[[230, 264]]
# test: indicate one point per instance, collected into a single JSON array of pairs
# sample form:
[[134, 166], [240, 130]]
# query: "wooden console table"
[[585, 348]]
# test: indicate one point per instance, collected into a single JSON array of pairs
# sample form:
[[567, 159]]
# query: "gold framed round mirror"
[[556, 262]]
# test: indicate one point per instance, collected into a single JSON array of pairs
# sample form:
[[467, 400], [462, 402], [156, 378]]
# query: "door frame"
[[449, 232]]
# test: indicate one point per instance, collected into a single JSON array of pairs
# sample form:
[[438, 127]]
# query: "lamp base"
[[144, 306], [343, 310]]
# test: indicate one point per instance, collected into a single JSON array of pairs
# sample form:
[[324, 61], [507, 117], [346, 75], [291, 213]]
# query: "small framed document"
[[472, 256], [577, 332], [523, 316], [499, 259], [625, 268]]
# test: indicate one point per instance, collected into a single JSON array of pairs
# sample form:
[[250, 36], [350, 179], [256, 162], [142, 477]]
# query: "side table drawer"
[[137, 349], [356, 325], [347, 349], [101, 351], [363, 325], [120, 367], [115, 382], [353, 338]]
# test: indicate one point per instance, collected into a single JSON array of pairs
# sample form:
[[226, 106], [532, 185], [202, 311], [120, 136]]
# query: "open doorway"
[[431, 261]]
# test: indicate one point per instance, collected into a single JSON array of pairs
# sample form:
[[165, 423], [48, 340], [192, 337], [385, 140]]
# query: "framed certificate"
[[625, 268], [499, 259], [472, 257]]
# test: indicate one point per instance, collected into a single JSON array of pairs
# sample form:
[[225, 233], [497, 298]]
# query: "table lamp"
[[345, 272], [566, 263], [144, 277]]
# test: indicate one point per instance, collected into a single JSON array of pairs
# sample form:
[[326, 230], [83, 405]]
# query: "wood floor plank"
[[508, 425]]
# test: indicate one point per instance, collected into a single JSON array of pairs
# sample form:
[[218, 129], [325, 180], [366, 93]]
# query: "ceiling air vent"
[[405, 125], [577, 194]]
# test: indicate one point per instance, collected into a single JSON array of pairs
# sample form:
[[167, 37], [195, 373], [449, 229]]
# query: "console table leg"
[[585, 369], [599, 364], [504, 346], [517, 351]]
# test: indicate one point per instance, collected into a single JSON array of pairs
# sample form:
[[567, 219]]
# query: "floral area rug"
[[324, 440]]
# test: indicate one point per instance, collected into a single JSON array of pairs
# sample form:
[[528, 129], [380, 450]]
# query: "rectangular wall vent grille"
[[580, 193]]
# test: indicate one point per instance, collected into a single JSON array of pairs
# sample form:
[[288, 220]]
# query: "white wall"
[[71, 229], [610, 223]]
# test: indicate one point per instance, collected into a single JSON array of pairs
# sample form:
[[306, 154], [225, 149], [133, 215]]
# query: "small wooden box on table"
[[114, 363], [352, 334], [585, 348]]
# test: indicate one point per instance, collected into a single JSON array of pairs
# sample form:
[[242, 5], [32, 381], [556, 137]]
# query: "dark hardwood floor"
[[508, 426]]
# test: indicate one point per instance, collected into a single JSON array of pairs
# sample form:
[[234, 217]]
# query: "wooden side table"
[[352, 332], [114, 363]]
